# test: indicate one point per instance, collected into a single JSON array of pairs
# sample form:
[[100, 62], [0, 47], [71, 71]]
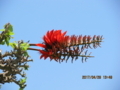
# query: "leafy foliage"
[[17, 61]]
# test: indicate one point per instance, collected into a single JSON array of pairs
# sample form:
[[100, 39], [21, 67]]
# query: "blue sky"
[[31, 20]]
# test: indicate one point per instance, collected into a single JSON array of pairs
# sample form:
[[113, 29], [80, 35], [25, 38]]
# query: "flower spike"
[[57, 45]]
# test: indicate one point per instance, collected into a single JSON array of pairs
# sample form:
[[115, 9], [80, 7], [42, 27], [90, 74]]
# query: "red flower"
[[49, 54], [52, 42], [59, 46], [52, 38], [45, 54]]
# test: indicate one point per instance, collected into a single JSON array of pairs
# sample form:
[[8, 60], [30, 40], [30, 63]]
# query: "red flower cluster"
[[51, 38], [57, 45], [54, 39]]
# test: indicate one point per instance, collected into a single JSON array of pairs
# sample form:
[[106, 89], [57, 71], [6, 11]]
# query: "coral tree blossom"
[[59, 46], [53, 39]]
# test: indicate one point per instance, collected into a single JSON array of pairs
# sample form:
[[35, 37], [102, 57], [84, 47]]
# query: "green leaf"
[[2, 29], [13, 45], [7, 41], [26, 54], [22, 81], [11, 33], [9, 27], [24, 46]]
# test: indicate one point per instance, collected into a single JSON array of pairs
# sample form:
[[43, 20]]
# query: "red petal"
[[47, 40], [41, 56], [41, 45]]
